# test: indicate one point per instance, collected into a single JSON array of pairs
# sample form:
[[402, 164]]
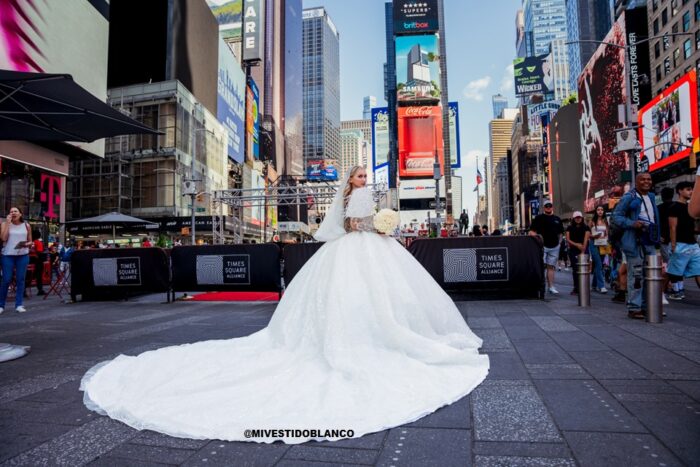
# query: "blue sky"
[[480, 51]]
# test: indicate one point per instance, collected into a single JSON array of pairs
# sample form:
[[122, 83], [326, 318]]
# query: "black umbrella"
[[52, 107], [114, 219]]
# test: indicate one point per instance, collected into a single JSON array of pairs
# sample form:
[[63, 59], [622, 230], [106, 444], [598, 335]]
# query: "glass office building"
[[321, 89]]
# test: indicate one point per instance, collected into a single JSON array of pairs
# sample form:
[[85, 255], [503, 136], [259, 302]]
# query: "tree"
[[572, 99]]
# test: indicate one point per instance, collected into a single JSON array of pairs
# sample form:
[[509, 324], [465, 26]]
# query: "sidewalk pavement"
[[568, 386]]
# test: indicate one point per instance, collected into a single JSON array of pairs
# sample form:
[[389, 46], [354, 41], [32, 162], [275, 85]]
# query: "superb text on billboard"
[[415, 16]]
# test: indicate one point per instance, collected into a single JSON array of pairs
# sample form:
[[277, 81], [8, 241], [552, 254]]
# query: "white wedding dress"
[[363, 339]]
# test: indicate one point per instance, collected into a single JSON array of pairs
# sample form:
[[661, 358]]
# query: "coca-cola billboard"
[[420, 138]]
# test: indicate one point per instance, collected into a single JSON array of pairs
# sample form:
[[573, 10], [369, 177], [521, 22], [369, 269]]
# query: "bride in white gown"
[[363, 339]]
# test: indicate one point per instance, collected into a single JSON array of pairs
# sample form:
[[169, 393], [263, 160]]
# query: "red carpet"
[[236, 297]]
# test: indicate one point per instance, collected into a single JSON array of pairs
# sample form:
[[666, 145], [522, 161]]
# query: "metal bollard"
[[584, 280], [653, 281]]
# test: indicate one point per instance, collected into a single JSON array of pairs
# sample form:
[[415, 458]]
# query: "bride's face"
[[359, 179]]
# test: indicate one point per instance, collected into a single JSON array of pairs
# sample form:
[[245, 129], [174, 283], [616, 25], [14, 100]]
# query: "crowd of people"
[[619, 241]]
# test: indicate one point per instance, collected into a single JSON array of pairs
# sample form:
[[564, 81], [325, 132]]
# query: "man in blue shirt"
[[638, 217]]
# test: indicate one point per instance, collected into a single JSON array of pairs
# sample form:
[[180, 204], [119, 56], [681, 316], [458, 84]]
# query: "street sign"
[[432, 204]]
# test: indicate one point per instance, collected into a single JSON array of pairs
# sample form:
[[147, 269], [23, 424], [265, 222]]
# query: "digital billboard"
[[415, 16], [533, 75], [321, 170], [565, 167], [420, 136], [601, 89], [70, 36], [253, 121], [380, 137], [670, 121], [417, 69], [230, 108], [253, 27], [229, 15]]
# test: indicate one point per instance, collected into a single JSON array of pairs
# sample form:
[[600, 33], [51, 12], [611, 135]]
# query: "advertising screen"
[[565, 168], [669, 121], [601, 89], [415, 16], [229, 15], [417, 69], [321, 170], [533, 75], [230, 108], [253, 121], [380, 137], [70, 36], [420, 136]]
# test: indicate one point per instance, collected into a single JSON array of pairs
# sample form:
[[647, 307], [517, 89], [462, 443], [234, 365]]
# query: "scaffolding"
[[240, 198]]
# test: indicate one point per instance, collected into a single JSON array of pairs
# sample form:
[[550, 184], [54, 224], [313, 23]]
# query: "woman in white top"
[[598, 247], [16, 236]]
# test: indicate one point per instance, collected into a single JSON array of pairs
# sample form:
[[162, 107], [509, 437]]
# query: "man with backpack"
[[636, 221]]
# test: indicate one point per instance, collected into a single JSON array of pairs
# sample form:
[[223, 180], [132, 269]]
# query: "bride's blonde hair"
[[348, 187]]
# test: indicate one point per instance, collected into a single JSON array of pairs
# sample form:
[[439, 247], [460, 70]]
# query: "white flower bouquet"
[[386, 221]]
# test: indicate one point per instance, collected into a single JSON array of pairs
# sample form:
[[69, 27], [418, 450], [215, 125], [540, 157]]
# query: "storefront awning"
[[53, 107]]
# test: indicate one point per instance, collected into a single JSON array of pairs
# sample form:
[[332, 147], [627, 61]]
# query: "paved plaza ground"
[[567, 386]]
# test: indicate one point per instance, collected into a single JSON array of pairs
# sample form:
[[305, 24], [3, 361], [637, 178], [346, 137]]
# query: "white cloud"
[[507, 82], [475, 89]]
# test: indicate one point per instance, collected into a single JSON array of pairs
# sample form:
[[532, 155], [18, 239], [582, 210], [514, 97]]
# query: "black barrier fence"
[[226, 268], [507, 266], [295, 257], [119, 273]]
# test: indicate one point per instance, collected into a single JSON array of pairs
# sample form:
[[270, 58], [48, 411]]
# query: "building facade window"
[[657, 49], [686, 21], [664, 17], [687, 49]]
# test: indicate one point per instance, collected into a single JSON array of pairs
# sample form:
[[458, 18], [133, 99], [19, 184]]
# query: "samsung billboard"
[[417, 69]]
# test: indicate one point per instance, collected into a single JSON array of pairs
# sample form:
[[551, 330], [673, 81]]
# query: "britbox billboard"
[[417, 69], [669, 123], [415, 16]]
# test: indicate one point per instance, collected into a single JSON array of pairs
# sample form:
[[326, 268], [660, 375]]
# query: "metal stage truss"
[[240, 198]]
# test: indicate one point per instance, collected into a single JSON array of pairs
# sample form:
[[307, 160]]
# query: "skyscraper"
[[499, 103], [586, 20], [321, 88], [353, 143], [367, 103], [500, 132], [545, 23]]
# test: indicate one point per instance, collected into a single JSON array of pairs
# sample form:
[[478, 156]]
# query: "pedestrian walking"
[[636, 215], [577, 237], [599, 247], [37, 257], [16, 236], [550, 228], [685, 252]]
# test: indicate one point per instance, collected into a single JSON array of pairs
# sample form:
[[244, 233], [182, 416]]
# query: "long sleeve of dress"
[[359, 214]]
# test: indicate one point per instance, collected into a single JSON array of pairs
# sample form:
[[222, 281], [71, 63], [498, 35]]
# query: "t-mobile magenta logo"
[[51, 194]]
